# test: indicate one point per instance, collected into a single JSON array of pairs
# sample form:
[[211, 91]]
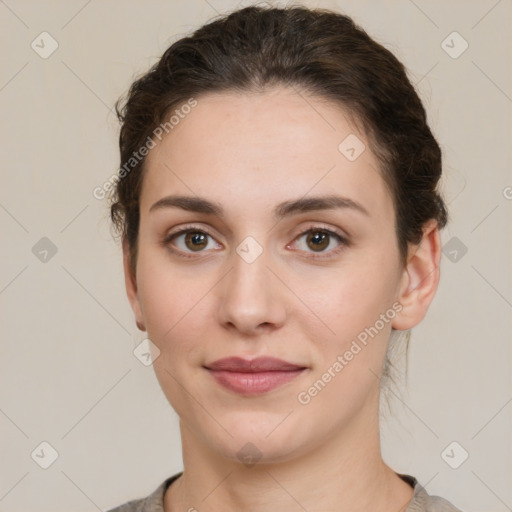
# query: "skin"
[[249, 153]]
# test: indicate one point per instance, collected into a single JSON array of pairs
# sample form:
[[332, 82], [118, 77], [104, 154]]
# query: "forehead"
[[261, 148]]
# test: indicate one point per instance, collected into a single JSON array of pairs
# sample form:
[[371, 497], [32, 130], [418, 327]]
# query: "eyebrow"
[[285, 209]]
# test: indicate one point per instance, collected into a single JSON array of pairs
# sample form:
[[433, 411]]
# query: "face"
[[262, 270]]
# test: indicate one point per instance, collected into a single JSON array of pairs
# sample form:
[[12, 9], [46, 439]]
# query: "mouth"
[[253, 377]]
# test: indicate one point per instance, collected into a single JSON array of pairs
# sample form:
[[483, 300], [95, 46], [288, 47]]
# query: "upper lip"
[[260, 364]]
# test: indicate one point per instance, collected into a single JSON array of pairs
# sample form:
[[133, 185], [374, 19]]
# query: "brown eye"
[[324, 242], [196, 240], [318, 240], [188, 241]]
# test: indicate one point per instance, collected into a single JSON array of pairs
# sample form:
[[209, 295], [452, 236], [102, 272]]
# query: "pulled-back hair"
[[314, 50], [317, 51]]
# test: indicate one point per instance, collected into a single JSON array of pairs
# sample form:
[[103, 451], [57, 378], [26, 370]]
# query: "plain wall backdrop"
[[69, 377]]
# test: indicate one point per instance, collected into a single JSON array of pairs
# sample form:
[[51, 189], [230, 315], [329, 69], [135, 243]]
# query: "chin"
[[256, 437], [253, 450]]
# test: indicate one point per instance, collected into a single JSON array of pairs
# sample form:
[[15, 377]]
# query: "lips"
[[260, 364], [253, 377]]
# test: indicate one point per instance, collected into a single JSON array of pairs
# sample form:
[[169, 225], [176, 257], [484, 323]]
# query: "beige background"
[[68, 374]]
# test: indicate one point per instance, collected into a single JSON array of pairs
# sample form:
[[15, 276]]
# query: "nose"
[[251, 299]]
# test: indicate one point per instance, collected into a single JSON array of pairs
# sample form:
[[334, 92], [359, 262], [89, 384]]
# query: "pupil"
[[318, 240], [197, 239]]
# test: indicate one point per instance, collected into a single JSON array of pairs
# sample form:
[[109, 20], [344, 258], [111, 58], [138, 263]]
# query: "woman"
[[279, 213]]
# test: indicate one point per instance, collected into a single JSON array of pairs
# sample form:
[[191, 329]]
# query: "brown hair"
[[315, 50], [320, 51]]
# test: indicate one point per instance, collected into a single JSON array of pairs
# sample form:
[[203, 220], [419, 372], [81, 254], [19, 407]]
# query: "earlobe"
[[131, 287], [420, 279]]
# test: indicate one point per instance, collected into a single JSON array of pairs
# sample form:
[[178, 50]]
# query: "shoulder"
[[154, 502], [424, 502]]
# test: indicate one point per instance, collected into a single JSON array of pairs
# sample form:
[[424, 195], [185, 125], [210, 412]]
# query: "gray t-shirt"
[[421, 500]]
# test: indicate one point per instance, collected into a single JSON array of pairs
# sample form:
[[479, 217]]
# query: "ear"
[[420, 279], [131, 287]]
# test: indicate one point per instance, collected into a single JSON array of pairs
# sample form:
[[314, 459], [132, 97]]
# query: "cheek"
[[349, 305], [174, 308], [170, 300], [348, 361], [349, 299]]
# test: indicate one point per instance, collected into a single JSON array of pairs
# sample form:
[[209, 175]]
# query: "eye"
[[320, 240], [189, 240]]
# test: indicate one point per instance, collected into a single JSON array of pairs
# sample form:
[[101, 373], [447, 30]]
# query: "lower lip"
[[253, 383]]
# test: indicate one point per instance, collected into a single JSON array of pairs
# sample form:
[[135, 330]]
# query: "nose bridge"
[[250, 276], [251, 295]]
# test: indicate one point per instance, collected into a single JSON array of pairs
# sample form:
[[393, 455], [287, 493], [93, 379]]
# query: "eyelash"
[[318, 256]]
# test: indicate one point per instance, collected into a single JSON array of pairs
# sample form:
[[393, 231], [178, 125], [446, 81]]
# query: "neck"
[[344, 473]]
